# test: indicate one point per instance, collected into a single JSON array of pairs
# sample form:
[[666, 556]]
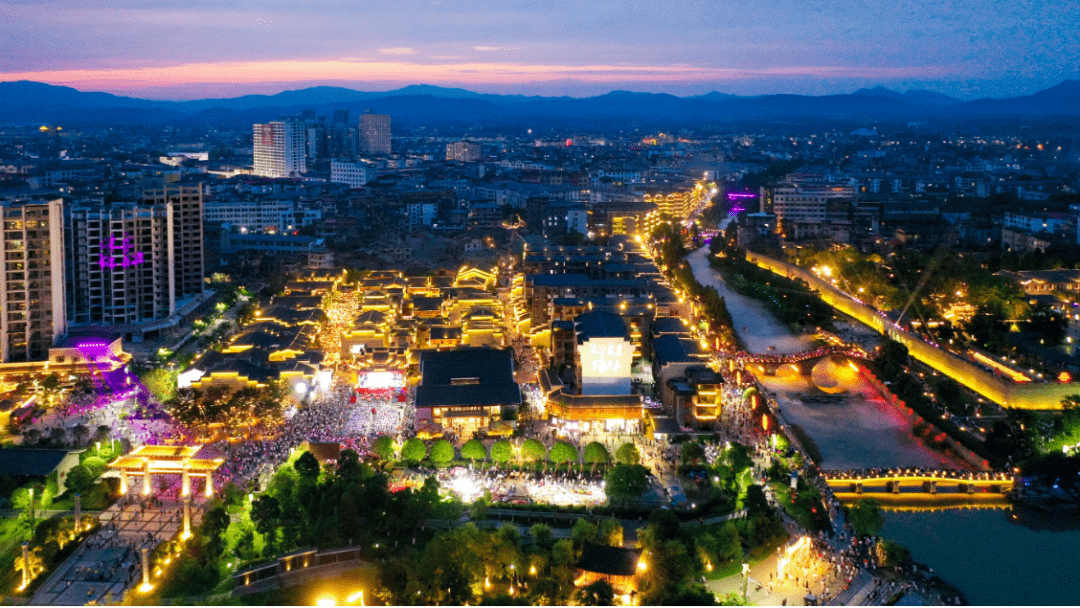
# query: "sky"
[[191, 49]]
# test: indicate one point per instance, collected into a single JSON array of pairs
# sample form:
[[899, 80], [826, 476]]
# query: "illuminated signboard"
[[605, 366]]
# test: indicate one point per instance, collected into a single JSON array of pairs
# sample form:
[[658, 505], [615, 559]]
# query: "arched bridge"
[[850, 485], [804, 361]]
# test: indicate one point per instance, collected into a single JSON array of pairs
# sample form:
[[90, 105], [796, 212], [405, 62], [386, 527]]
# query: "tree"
[[383, 447], [665, 524], [533, 450], [583, 532], [866, 517], [81, 433], [161, 382], [442, 453], [598, 593], [473, 450], [755, 501], [414, 450], [723, 544], [693, 453], [891, 359], [595, 453], [79, 478], [266, 515], [610, 532], [626, 481], [563, 452], [892, 553], [738, 458], [501, 451], [628, 453], [212, 530], [542, 536], [307, 466]]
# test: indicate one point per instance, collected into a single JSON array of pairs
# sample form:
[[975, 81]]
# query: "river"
[[994, 556]]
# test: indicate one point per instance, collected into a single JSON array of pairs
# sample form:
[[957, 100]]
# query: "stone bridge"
[[851, 485], [803, 362]]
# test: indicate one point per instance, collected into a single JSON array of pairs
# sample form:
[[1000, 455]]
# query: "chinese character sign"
[[120, 253]]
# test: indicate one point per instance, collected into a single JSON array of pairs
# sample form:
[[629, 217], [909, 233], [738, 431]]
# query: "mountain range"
[[26, 102]]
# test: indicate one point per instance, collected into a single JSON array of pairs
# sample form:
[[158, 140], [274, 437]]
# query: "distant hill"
[[916, 97], [33, 102]]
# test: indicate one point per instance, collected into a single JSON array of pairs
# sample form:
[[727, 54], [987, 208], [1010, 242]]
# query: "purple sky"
[[202, 48]]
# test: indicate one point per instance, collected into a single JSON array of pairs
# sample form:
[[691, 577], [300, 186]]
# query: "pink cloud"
[[458, 73]]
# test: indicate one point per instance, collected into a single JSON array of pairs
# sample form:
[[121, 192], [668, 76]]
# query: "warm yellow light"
[[359, 595], [326, 601], [145, 588], [641, 566]]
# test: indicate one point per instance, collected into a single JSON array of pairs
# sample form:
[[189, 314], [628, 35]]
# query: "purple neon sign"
[[120, 253], [737, 195]]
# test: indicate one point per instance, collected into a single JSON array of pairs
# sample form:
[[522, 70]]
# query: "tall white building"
[[374, 133], [280, 148], [32, 293], [355, 174]]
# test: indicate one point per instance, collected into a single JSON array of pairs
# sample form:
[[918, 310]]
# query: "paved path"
[[108, 563]]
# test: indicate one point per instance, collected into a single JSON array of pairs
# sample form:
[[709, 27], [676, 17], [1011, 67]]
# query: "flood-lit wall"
[[1022, 395]]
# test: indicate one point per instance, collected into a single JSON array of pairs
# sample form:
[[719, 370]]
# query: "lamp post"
[[746, 583]]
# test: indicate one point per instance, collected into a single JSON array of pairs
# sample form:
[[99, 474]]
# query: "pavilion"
[[149, 460]]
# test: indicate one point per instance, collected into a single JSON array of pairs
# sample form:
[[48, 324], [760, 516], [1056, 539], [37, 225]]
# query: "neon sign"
[[734, 195], [120, 253]]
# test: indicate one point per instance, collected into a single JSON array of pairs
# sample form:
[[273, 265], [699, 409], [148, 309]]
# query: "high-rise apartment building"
[[183, 207], [464, 151], [280, 148], [135, 266], [32, 293], [374, 133]]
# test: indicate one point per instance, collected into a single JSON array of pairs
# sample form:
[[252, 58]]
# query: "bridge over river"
[[902, 484]]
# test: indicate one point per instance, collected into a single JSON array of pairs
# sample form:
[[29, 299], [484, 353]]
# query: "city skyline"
[[160, 51]]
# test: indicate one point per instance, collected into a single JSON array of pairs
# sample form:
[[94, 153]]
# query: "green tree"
[[266, 515], [473, 450], [626, 481], [755, 501], [892, 553], [693, 453], [598, 593], [583, 532], [307, 466], [866, 517], [610, 532], [78, 478], [442, 453], [383, 447], [533, 450], [664, 524], [501, 451], [595, 453], [563, 553], [563, 452], [542, 536], [161, 382], [628, 453], [212, 530], [414, 450]]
